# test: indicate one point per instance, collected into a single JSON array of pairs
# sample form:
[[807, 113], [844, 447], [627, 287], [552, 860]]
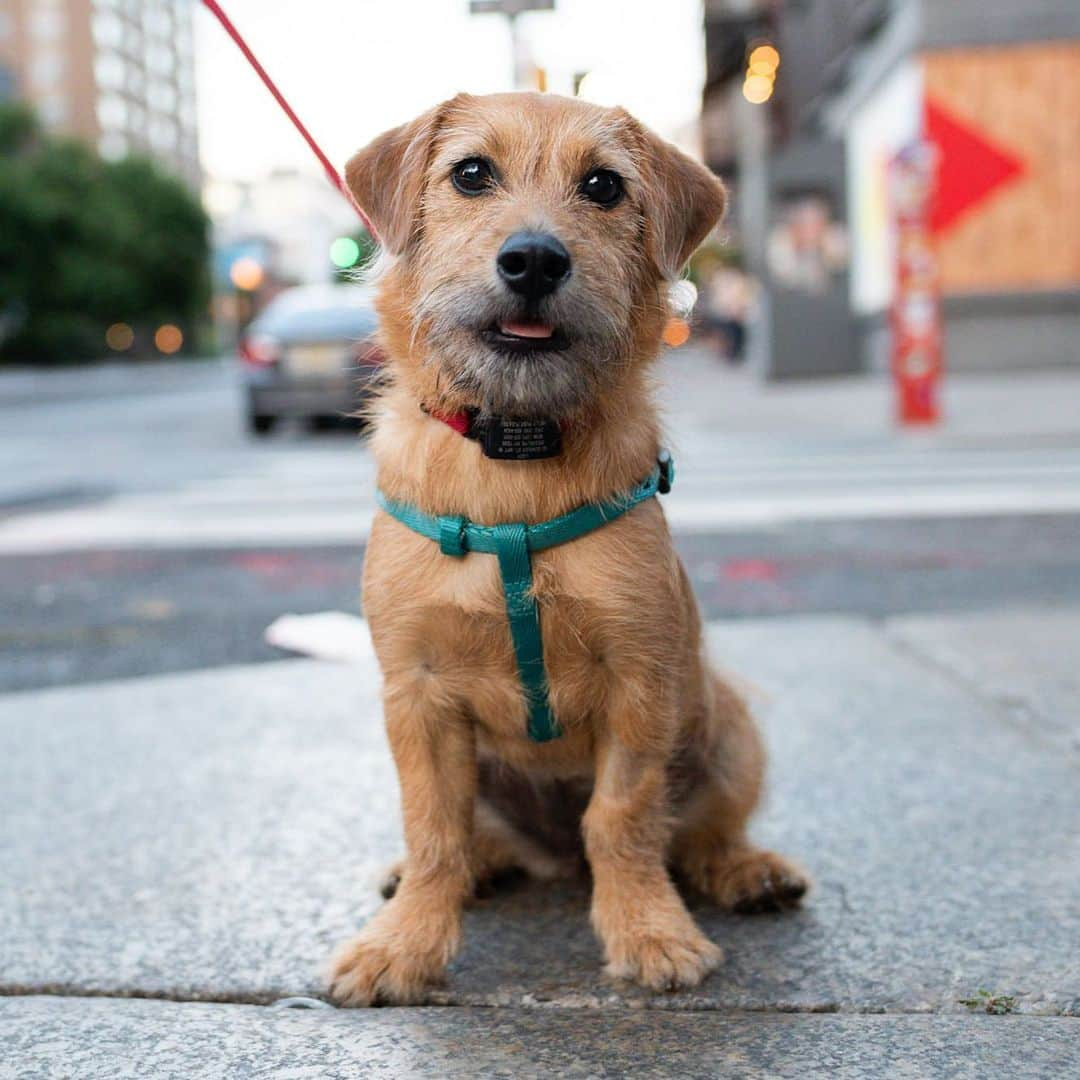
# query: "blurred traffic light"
[[350, 254], [344, 252]]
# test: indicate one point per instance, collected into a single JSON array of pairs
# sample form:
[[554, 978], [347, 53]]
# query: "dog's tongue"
[[526, 329]]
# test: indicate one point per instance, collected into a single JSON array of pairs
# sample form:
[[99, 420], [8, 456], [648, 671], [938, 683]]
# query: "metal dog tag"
[[508, 438]]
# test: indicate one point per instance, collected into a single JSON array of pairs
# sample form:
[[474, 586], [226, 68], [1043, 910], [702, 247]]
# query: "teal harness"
[[513, 544]]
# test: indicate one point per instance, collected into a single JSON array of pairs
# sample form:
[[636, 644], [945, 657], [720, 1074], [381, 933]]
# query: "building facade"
[[992, 85], [118, 74]]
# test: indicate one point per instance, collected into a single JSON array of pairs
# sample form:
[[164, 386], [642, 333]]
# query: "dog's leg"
[[408, 943], [648, 934], [710, 847], [497, 847]]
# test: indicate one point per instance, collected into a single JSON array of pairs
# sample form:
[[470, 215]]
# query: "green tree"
[[85, 243], [18, 126]]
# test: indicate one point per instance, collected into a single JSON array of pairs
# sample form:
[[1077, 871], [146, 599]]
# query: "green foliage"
[[85, 243], [18, 128]]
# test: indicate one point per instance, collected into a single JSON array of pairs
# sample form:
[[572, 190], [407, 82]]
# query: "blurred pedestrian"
[[728, 295]]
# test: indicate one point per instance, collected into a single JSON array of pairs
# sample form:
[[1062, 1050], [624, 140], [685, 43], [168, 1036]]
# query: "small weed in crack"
[[994, 1004]]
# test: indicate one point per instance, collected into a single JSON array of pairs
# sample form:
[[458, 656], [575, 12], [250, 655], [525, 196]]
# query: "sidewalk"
[[180, 852], [1003, 408]]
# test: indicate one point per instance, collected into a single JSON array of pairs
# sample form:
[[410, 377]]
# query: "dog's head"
[[534, 241]]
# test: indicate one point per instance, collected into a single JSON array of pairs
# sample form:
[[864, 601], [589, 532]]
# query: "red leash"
[[331, 173]]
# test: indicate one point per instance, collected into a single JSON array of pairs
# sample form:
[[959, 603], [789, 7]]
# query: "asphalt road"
[[85, 448]]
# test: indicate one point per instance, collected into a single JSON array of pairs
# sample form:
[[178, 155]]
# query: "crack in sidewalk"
[[525, 1001], [1019, 714]]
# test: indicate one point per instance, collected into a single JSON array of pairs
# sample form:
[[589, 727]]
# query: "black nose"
[[533, 264]]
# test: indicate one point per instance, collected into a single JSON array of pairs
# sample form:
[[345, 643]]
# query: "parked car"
[[309, 355]]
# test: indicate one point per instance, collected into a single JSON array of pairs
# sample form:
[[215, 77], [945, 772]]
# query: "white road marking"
[[325, 635], [279, 511]]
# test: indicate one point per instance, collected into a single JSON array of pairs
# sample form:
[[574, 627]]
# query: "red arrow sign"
[[970, 166]]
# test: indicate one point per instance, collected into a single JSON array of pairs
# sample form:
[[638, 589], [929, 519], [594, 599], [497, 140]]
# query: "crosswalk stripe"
[[329, 499]]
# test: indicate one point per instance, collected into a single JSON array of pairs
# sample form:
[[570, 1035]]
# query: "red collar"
[[504, 437], [461, 422]]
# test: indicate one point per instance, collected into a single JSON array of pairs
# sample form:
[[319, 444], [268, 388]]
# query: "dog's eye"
[[603, 187], [472, 176]]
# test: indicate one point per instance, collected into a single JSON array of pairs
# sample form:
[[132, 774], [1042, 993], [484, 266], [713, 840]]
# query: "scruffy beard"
[[455, 322]]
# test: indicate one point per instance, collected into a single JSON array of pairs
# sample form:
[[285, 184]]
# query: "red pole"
[[915, 315]]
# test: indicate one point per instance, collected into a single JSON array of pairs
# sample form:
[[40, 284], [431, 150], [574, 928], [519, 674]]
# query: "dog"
[[530, 243]]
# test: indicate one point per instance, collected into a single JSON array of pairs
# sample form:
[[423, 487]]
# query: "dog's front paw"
[[752, 881], [372, 970], [663, 961]]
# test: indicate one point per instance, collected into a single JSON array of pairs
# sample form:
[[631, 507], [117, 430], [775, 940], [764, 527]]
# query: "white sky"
[[352, 68]]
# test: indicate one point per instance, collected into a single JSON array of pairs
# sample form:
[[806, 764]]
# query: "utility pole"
[[752, 143], [512, 10]]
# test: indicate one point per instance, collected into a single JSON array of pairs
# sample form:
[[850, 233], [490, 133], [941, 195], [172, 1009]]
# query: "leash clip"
[[667, 471]]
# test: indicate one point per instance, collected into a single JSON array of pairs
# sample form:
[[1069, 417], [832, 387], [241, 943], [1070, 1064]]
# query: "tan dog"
[[532, 242]]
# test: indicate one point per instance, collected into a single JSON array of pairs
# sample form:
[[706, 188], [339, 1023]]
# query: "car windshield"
[[319, 312]]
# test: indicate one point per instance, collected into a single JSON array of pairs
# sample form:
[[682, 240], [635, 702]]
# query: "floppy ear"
[[386, 177], [687, 201]]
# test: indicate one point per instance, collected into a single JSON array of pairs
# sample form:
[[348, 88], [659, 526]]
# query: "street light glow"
[[757, 89], [119, 337], [761, 67], [764, 60], [168, 338], [676, 332]]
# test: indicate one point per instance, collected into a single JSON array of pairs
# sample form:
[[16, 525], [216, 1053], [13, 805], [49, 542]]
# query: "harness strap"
[[512, 544], [524, 617]]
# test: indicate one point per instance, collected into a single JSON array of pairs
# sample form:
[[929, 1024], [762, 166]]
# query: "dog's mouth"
[[525, 336]]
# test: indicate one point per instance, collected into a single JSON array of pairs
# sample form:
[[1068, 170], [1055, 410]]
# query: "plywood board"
[[1024, 99]]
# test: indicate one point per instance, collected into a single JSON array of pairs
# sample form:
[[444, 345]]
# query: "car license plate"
[[316, 359]]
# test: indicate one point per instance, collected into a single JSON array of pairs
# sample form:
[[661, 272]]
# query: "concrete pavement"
[[210, 837], [179, 853], [103, 1040]]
